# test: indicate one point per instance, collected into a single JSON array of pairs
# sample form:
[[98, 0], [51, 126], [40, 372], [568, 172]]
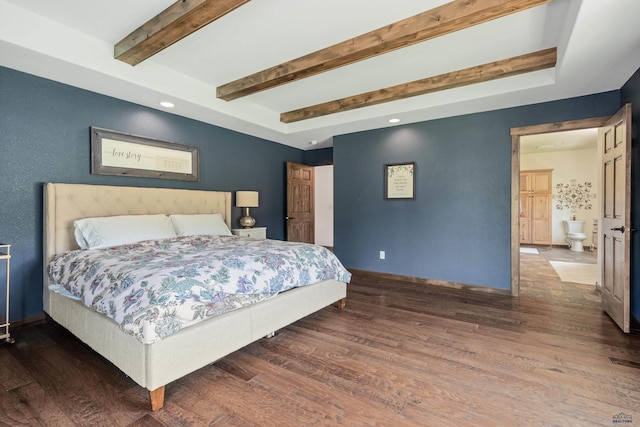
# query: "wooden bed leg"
[[157, 398], [342, 303]]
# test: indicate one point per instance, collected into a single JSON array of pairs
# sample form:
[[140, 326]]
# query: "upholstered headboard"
[[65, 203]]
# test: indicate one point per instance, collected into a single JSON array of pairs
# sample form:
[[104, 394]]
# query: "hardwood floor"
[[539, 279], [399, 354]]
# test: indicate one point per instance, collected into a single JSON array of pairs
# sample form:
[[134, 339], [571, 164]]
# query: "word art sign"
[[114, 153], [400, 181]]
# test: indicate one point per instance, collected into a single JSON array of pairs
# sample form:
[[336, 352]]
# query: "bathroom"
[[553, 270], [573, 157]]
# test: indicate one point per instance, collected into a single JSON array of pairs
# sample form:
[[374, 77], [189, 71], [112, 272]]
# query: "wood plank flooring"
[[399, 354], [539, 279]]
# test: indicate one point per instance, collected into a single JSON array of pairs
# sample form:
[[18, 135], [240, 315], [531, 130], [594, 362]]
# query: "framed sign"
[[400, 181], [116, 153]]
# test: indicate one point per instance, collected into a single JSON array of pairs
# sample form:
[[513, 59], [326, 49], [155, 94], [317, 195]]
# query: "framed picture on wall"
[[400, 181], [117, 153]]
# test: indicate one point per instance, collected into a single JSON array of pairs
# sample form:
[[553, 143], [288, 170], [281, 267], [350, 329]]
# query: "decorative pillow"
[[103, 232], [192, 225]]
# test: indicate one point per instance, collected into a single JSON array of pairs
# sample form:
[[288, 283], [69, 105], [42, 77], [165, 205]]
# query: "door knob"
[[620, 229]]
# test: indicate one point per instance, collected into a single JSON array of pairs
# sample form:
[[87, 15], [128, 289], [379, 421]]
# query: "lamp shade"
[[247, 199]]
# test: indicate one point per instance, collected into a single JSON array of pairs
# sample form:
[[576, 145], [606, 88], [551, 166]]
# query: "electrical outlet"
[[382, 254]]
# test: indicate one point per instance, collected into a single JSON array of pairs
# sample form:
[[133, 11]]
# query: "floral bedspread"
[[154, 288]]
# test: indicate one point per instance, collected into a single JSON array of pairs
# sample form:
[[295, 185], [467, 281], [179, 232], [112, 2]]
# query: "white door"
[[615, 142]]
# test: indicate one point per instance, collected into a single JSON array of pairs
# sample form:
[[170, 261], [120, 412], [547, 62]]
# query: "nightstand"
[[254, 233]]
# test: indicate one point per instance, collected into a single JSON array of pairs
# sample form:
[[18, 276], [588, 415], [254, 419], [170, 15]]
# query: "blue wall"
[[458, 228], [44, 137]]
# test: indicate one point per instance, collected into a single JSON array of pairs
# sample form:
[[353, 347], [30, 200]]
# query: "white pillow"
[[196, 224], [103, 232]]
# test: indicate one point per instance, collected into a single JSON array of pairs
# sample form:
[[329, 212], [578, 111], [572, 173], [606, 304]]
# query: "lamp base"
[[247, 221]]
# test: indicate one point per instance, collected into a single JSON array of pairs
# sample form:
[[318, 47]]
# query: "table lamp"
[[246, 200]]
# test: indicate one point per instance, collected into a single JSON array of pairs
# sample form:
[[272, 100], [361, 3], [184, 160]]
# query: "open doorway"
[[559, 212], [614, 234], [516, 136], [324, 206]]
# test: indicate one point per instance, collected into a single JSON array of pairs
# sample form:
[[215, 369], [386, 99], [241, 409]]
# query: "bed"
[[154, 365]]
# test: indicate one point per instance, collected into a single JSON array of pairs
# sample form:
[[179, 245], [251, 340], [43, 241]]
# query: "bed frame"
[[155, 365]]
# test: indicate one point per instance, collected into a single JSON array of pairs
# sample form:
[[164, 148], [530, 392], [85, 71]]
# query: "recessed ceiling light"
[[313, 142], [167, 104], [394, 120]]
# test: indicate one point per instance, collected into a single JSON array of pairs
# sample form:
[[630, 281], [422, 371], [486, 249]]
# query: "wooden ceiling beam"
[[448, 18], [174, 23], [495, 70]]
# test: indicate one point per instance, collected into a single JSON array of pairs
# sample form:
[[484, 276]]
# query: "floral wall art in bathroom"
[[574, 196]]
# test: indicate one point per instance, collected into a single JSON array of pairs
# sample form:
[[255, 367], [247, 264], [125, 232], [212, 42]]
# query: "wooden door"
[[541, 181], [525, 182], [300, 203], [525, 214], [615, 142], [535, 207], [525, 207], [541, 219]]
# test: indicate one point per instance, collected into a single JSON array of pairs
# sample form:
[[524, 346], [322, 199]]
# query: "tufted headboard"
[[65, 203]]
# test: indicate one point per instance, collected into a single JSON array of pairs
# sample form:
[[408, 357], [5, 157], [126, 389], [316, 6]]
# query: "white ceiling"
[[72, 41], [559, 141]]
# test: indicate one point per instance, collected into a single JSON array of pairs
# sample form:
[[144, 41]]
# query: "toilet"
[[574, 235]]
